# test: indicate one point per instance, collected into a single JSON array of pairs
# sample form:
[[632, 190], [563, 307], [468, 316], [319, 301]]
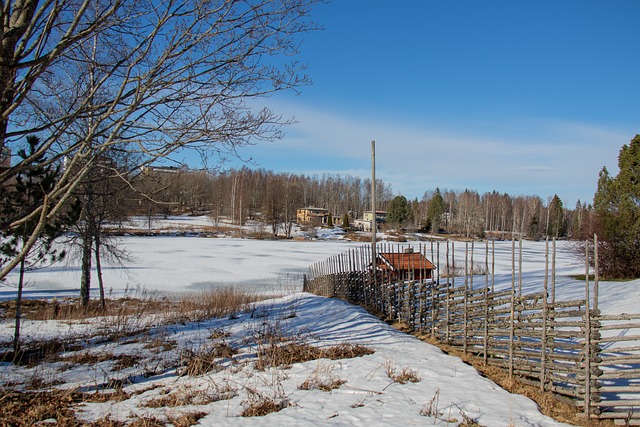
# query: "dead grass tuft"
[[322, 379], [118, 395], [264, 406], [160, 344], [285, 355], [188, 396], [276, 349], [26, 409], [124, 361], [139, 421], [205, 360], [186, 420], [88, 358], [33, 353], [346, 351], [404, 376], [217, 303]]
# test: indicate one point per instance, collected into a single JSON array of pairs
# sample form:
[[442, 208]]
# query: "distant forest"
[[246, 194]]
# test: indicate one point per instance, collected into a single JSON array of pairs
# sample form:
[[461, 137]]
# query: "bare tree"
[[167, 76]]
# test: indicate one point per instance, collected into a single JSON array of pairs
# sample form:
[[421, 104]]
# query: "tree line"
[[239, 195]]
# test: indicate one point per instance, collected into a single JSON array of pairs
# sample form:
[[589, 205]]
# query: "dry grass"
[[263, 407], [404, 376], [459, 271], [205, 360], [139, 421], [33, 353], [88, 358], [160, 343], [551, 405], [322, 379], [27, 409], [259, 405], [283, 355], [122, 317], [124, 361], [186, 420], [219, 303], [189, 396], [138, 303]]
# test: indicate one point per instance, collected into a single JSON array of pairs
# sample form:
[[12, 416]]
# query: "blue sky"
[[522, 97]]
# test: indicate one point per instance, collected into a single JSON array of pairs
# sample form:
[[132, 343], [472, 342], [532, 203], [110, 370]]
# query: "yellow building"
[[312, 216]]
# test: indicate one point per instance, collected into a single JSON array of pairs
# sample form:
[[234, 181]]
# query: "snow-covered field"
[[447, 391]]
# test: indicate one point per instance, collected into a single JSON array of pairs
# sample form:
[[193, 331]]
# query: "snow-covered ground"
[[447, 391]]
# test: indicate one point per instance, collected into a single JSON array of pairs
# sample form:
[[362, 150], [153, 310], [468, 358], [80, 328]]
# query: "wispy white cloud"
[[532, 156]]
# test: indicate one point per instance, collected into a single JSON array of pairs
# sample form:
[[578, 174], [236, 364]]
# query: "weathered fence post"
[[448, 296], [513, 303], [587, 350], [466, 296], [543, 344]]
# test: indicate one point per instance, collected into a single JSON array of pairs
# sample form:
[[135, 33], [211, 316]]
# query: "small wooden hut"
[[405, 265]]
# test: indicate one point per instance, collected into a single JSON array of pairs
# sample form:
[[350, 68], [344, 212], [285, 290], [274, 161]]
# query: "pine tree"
[[18, 199], [345, 221], [435, 211], [399, 211], [617, 210], [556, 223]]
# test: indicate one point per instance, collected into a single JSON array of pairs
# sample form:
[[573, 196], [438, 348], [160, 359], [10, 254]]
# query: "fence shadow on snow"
[[566, 347]]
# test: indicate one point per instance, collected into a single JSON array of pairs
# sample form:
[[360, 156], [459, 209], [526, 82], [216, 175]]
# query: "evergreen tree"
[[398, 211], [436, 210], [556, 223], [345, 221], [617, 210], [18, 199]]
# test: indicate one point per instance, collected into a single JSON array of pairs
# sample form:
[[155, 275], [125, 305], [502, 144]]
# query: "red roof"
[[405, 261]]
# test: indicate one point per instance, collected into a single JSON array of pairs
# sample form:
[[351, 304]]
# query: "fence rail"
[[566, 347]]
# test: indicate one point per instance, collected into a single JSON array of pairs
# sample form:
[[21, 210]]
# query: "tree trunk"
[[99, 269], [85, 280], [16, 336]]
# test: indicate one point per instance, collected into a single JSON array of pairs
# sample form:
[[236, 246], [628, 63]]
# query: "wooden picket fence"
[[566, 347]]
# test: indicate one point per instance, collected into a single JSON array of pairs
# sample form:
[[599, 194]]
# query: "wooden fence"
[[567, 347]]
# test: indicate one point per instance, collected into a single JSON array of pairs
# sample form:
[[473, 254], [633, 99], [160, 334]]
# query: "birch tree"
[[166, 76]]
